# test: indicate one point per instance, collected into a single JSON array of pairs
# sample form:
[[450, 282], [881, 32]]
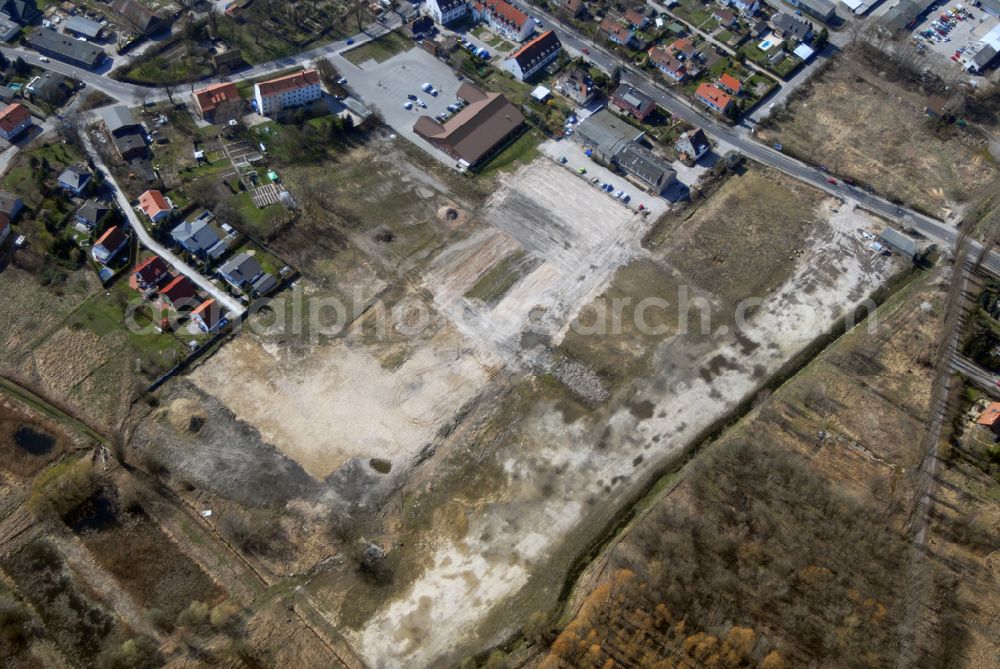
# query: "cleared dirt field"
[[874, 131], [848, 426], [559, 468]]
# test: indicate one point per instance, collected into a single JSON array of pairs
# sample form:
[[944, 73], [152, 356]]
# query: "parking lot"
[[965, 32], [386, 85], [576, 160]]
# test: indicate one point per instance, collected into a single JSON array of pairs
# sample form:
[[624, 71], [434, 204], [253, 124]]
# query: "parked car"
[[407, 105], [411, 96], [426, 88], [582, 170]]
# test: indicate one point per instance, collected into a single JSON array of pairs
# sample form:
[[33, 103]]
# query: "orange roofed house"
[[990, 417], [504, 19], [730, 83], [215, 98], [14, 119], [476, 132], [154, 205], [714, 98], [208, 315], [291, 90]]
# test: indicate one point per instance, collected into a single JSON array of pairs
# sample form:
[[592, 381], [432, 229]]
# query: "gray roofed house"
[[10, 204], [7, 94], [791, 27], [91, 213], [903, 13], [240, 271], [264, 283], [823, 10], [50, 87], [201, 237], [646, 166], [984, 58], [900, 242], [9, 28], [142, 18], [84, 27], [65, 48], [131, 146], [75, 179], [118, 119], [20, 11], [606, 134]]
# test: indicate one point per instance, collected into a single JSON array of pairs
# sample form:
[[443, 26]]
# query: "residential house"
[[201, 238], [605, 134], [241, 271], [714, 98], [643, 165], [617, 32], [824, 10], [504, 19], [692, 145], [725, 17], [179, 294], [23, 12], [791, 27], [263, 284], [669, 64], [150, 274], [291, 90], [9, 29], [208, 315], [577, 85], [533, 57], [572, 7], [476, 132], [50, 87], [744, 7], [637, 19], [731, 84], [14, 119], [81, 26], [155, 205], [7, 94], [445, 12], [143, 19], [684, 49], [91, 213], [628, 99], [75, 179], [109, 244], [218, 103], [422, 26], [63, 47], [990, 417], [10, 205], [127, 135]]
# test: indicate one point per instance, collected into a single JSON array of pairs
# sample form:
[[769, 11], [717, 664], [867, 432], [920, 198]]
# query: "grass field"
[[380, 49], [895, 150]]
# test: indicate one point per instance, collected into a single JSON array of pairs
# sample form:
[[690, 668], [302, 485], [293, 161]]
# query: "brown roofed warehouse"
[[475, 132]]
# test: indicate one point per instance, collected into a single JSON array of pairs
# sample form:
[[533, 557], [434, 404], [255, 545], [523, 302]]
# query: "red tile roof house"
[[150, 274], [179, 294], [714, 98], [155, 206], [533, 57], [668, 64], [683, 49], [208, 100], [724, 17], [630, 100], [504, 19], [990, 417], [14, 119], [109, 245], [637, 19], [208, 316], [730, 83], [617, 32]]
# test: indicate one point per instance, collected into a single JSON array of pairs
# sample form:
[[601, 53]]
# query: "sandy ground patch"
[[578, 235], [565, 479], [339, 402]]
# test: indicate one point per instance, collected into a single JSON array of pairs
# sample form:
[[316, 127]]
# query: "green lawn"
[[521, 152], [380, 49], [724, 36]]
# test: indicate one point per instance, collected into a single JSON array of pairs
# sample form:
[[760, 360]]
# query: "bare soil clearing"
[[861, 125]]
